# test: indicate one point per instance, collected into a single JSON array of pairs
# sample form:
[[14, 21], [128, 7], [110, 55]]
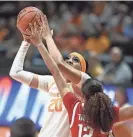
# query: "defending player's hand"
[[26, 38], [46, 30], [35, 34]]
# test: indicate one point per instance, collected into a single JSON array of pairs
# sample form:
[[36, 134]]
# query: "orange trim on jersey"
[[81, 59]]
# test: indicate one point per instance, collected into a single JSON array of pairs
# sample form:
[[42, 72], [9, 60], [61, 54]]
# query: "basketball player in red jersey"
[[97, 115]]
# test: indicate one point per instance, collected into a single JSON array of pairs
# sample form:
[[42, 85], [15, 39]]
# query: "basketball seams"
[[28, 16], [23, 16], [31, 22], [33, 17]]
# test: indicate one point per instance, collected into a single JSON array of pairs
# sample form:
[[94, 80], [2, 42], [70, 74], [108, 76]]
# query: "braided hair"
[[98, 108]]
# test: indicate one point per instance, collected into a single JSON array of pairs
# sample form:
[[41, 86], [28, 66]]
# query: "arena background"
[[91, 28]]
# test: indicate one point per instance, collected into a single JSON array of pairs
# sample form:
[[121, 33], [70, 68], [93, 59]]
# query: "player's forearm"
[[47, 59], [17, 71], [59, 79], [53, 50], [70, 73]]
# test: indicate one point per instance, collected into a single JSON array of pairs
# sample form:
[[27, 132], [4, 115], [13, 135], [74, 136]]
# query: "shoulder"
[[84, 77]]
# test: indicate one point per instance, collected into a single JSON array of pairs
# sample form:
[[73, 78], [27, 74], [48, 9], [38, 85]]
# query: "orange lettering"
[[55, 105]]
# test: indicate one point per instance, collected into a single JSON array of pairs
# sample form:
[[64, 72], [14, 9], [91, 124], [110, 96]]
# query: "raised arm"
[[68, 71], [28, 78], [37, 41]]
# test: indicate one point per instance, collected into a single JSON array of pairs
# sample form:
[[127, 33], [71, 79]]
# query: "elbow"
[[13, 74]]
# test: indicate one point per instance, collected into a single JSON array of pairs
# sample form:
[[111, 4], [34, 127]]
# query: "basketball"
[[26, 16], [123, 129]]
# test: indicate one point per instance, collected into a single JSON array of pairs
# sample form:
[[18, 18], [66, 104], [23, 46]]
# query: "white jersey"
[[56, 123]]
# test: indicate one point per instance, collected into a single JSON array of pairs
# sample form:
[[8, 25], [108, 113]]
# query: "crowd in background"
[[92, 28], [102, 31]]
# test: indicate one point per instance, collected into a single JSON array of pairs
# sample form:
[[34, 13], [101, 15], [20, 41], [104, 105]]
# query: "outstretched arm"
[[28, 78], [17, 71], [58, 77], [37, 41], [68, 71]]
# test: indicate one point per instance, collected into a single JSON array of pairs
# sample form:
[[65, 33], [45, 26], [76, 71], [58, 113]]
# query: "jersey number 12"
[[82, 128]]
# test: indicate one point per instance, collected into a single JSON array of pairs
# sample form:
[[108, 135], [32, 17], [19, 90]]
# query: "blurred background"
[[102, 31]]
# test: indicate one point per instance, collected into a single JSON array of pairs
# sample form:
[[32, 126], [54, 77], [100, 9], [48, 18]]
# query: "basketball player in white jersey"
[[56, 123]]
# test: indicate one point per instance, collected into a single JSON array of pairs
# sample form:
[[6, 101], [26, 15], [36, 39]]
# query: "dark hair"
[[23, 127], [98, 108]]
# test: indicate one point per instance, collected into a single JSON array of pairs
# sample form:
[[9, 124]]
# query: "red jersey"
[[78, 126]]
